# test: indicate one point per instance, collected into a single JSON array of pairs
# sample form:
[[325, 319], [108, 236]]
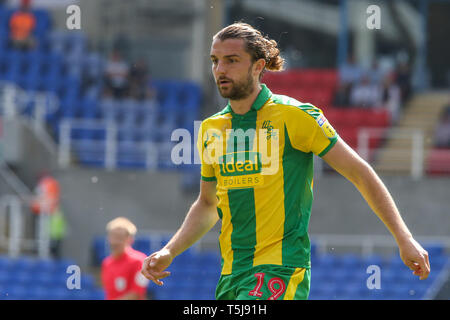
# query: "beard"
[[238, 90]]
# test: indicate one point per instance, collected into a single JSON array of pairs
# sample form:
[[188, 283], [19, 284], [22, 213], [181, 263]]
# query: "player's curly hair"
[[257, 45]]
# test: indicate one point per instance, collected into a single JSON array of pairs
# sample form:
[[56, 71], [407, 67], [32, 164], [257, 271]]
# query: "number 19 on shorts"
[[275, 285]]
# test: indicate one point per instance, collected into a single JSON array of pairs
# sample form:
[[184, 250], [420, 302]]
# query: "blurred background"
[[90, 96]]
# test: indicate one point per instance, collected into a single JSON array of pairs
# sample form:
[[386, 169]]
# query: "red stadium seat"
[[378, 118], [438, 162]]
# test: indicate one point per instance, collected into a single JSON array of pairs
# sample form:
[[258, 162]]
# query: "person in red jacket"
[[121, 270]]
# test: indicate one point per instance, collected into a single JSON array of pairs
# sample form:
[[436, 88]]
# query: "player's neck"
[[118, 254], [243, 106]]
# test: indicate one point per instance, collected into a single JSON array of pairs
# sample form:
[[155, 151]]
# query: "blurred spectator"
[[121, 271], [57, 231], [116, 75], [391, 96], [365, 94], [47, 201], [350, 72], [404, 80], [442, 133], [140, 81], [22, 24], [342, 96], [47, 194], [375, 73]]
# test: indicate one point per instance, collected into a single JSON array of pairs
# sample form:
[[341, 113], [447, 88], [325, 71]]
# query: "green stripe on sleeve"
[[208, 178], [332, 143]]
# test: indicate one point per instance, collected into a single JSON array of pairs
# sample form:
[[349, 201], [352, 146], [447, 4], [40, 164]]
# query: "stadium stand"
[[30, 278], [194, 274], [318, 87], [62, 65]]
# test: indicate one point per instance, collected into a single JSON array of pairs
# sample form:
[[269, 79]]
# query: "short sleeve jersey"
[[122, 275], [263, 164]]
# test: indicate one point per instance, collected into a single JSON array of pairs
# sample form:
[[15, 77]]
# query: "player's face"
[[118, 240], [233, 69]]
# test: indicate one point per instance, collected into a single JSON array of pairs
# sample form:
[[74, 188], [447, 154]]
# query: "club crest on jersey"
[[267, 124]]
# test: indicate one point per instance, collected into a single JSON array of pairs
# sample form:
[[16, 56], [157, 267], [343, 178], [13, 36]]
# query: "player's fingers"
[[161, 275], [152, 277], [154, 260], [145, 265], [424, 268], [427, 260]]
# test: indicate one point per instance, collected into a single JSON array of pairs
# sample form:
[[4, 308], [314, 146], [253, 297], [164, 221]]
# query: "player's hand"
[[415, 257], [155, 264]]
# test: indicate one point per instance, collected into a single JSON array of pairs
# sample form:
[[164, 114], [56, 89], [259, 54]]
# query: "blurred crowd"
[[373, 87], [125, 80]]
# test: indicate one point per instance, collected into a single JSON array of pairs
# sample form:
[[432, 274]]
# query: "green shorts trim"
[[265, 282]]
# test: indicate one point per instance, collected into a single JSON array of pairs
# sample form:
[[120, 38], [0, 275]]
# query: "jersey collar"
[[260, 100]]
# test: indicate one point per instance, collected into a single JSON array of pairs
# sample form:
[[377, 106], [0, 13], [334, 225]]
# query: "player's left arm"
[[349, 164]]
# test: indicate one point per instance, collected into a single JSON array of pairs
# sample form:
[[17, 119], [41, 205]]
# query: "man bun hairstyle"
[[257, 45]]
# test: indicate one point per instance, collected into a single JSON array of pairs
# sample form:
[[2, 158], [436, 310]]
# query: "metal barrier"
[[11, 236], [110, 143], [14, 101], [415, 153]]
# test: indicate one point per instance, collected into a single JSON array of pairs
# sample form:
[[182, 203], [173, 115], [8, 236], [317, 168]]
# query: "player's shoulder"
[[135, 255], [292, 107], [216, 119], [107, 261]]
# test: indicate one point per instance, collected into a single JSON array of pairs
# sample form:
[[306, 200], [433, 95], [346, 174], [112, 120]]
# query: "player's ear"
[[258, 66]]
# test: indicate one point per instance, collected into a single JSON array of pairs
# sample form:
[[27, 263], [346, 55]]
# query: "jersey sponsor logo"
[[239, 182], [321, 120], [241, 170], [326, 126], [240, 163]]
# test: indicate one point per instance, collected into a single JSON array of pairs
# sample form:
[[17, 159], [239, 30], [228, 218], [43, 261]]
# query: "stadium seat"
[[38, 293], [142, 244], [96, 294], [438, 162], [16, 292]]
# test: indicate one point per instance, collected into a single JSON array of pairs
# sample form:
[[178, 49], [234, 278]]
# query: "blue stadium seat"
[[435, 250], [59, 293], [43, 23], [96, 294], [4, 277], [16, 292], [4, 262], [22, 277], [438, 262], [373, 260], [328, 261], [142, 244], [63, 263], [43, 277], [100, 249]]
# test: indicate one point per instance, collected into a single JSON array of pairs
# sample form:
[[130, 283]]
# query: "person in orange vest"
[[47, 201], [22, 24]]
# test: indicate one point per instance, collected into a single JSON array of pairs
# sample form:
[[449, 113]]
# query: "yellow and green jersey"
[[263, 164]]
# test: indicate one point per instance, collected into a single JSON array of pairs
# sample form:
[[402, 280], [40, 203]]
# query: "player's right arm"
[[201, 217]]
